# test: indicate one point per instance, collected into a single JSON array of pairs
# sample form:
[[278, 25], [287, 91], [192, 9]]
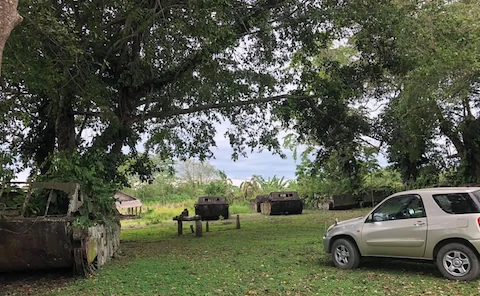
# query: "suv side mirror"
[[369, 218]]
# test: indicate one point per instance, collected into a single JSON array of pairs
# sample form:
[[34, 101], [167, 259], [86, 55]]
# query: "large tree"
[[332, 123], [9, 19], [103, 75], [417, 58], [422, 60], [436, 99]]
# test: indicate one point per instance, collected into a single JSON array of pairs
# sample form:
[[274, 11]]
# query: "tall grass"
[[240, 208], [155, 213]]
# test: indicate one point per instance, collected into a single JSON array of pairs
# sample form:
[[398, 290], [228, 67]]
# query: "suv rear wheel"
[[458, 262], [345, 254]]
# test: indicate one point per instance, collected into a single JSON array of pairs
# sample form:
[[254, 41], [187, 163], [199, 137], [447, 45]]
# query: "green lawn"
[[270, 255]]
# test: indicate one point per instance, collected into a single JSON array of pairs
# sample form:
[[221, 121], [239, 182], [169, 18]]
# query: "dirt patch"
[[34, 282]]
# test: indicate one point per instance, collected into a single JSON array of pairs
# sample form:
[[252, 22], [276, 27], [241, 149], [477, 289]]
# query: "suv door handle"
[[419, 223]]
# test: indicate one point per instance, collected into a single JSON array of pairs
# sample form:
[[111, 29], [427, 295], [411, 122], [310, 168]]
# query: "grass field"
[[269, 255]]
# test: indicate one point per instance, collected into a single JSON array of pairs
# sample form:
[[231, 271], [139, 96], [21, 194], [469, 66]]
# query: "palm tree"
[[271, 184], [249, 188], [227, 183]]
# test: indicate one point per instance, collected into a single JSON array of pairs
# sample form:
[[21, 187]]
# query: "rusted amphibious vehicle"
[[41, 233], [212, 207], [257, 203], [278, 203]]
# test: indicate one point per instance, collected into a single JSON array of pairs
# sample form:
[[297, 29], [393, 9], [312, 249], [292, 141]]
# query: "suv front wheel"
[[345, 254], [458, 262]]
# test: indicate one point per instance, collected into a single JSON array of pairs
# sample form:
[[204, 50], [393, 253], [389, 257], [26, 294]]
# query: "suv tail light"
[[478, 221]]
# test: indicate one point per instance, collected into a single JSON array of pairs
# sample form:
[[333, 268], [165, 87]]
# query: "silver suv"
[[439, 224]]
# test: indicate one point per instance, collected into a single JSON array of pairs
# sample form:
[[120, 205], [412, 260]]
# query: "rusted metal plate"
[[212, 207], [287, 195], [35, 243], [103, 242]]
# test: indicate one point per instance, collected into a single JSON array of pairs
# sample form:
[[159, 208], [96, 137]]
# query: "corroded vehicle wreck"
[[282, 203], [39, 229], [257, 203], [212, 207]]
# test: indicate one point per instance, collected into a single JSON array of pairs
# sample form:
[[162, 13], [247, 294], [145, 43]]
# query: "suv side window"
[[456, 203], [400, 207]]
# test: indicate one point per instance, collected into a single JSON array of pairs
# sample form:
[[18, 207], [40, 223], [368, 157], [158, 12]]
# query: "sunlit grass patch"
[[241, 208]]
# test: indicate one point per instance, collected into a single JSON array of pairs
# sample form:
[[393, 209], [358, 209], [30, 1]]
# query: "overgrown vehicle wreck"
[[58, 231], [286, 203]]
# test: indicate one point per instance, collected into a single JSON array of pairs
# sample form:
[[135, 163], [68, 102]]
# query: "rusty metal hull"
[[32, 243], [53, 241], [46, 243], [257, 206], [278, 203], [212, 211], [279, 207], [212, 207]]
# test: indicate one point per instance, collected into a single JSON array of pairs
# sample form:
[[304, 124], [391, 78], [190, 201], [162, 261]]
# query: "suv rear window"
[[456, 203], [477, 194]]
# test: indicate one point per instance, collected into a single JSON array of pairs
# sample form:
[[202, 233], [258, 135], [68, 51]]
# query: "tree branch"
[[446, 127], [214, 106], [319, 112], [241, 27], [376, 147]]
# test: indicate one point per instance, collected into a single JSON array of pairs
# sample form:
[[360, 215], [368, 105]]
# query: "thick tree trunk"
[[9, 19], [65, 125], [46, 139], [471, 159], [448, 129]]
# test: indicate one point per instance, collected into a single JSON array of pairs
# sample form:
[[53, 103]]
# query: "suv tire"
[[345, 254], [458, 262]]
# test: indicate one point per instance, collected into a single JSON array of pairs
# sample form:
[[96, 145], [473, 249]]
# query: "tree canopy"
[[432, 113], [101, 76], [95, 78], [418, 60]]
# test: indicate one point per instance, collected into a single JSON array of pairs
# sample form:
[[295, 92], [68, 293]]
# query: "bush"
[[240, 208]]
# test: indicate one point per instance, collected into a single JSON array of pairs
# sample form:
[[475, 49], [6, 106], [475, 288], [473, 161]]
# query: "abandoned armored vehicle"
[[285, 203], [40, 228], [212, 207]]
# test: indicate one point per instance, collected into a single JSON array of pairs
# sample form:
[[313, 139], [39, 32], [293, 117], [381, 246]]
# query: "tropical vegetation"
[[84, 83]]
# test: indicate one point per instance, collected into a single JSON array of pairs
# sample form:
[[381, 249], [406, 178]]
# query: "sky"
[[264, 164], [261, 163]]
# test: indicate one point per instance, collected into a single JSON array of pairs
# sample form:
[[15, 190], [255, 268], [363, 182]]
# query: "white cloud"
[[262, 163]]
